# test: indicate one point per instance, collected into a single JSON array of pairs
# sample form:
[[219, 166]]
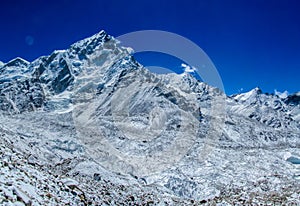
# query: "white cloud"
[[184, 65], [187, 68]]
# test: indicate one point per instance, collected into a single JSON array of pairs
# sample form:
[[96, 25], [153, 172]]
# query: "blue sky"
[[252, 43]]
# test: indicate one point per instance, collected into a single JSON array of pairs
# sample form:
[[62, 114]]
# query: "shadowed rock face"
[[95, 105], [293, 99]]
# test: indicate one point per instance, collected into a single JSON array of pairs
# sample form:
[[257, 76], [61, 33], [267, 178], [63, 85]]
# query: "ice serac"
[[93, 113]]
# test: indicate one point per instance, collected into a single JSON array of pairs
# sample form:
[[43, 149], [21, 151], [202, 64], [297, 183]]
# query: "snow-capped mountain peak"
[[89, 45], [248, 96], [15, 66], [18, 62]]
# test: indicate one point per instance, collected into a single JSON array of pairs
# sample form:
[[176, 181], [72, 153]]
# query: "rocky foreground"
[[24, 182]]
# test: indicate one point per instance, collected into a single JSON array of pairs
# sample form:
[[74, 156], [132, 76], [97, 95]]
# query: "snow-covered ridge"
[[283, 107], [18, 61]]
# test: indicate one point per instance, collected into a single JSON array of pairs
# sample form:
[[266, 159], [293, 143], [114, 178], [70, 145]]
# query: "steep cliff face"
[[93, 104]]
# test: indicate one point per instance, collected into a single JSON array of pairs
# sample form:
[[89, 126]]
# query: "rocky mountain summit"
[[90, 125]]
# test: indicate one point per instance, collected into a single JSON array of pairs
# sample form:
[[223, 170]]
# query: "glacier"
[[91, 125]]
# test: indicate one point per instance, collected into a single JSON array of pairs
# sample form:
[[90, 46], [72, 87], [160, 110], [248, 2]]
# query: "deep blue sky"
[[252, 43]]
